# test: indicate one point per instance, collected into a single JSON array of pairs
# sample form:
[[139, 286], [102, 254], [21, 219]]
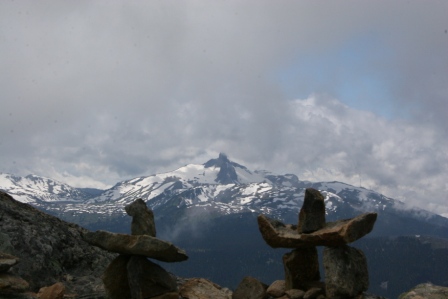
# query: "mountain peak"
[[227, 173], [222, 159]]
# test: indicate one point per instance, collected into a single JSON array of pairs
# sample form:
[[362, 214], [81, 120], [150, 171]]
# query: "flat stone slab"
[[136, 245], [279, 235]]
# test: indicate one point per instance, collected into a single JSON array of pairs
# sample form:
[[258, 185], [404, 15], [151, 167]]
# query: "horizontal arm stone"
[[279, 235]]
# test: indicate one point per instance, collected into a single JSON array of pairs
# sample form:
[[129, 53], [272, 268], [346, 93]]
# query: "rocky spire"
[[227, 173]]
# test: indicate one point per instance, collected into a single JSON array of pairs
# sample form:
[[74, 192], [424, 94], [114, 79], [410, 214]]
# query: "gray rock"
[[50, 249], [312, 213], [427, 291], [276, 289], [295, 294], [301, 268], [142, 218], [5, 242], [136, 245], [346, 274], [313, 293], [250, 288], [200, 288]]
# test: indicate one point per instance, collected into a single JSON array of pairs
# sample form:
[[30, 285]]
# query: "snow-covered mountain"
[[210, 210], [38, 190], [218, 187]]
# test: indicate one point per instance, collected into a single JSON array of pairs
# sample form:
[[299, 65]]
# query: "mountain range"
[[210, 209]]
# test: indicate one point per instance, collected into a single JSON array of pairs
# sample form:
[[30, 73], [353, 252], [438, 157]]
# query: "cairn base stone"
[[115, 278], [136, 277], [147, 279], [346, 274], [301, 268]]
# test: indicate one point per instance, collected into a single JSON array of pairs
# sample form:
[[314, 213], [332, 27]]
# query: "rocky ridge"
[[50, 250]]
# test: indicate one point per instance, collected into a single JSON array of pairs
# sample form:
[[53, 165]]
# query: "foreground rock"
[[427, 291], [50, 250], [200, 288], [250, 288], [55, 291]]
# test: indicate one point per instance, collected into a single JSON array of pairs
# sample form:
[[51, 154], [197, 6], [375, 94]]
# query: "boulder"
[[136, 245], [250, 288], [312, 213], [55, 291], [314, 293], [346, 274], [276, 289], [295, 293], [7, 261], [278, 235], [200, 288], [301, 268], [426, 291], [142, 218]]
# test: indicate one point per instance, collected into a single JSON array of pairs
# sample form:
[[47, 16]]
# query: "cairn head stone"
[[142, 218], [312, 213]]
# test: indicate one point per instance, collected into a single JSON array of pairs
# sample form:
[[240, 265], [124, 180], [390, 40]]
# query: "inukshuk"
[[346, 274], [131, 274]]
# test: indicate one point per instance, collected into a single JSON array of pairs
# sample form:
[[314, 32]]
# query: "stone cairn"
[[346, 274], [131, 274]]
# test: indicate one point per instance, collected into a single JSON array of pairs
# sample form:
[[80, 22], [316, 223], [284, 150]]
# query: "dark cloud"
[[96, 92]]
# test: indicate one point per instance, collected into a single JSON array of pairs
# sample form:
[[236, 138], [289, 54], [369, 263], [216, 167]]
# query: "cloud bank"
[[93, 92]]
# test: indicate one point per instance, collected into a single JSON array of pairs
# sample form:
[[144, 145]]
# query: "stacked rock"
[[10, 284], [131, 274], [346, 274]]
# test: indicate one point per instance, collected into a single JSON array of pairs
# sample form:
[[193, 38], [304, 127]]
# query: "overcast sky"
[[95, 92]]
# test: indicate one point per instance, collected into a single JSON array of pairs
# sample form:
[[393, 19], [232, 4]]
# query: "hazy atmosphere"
[[95, 92]]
